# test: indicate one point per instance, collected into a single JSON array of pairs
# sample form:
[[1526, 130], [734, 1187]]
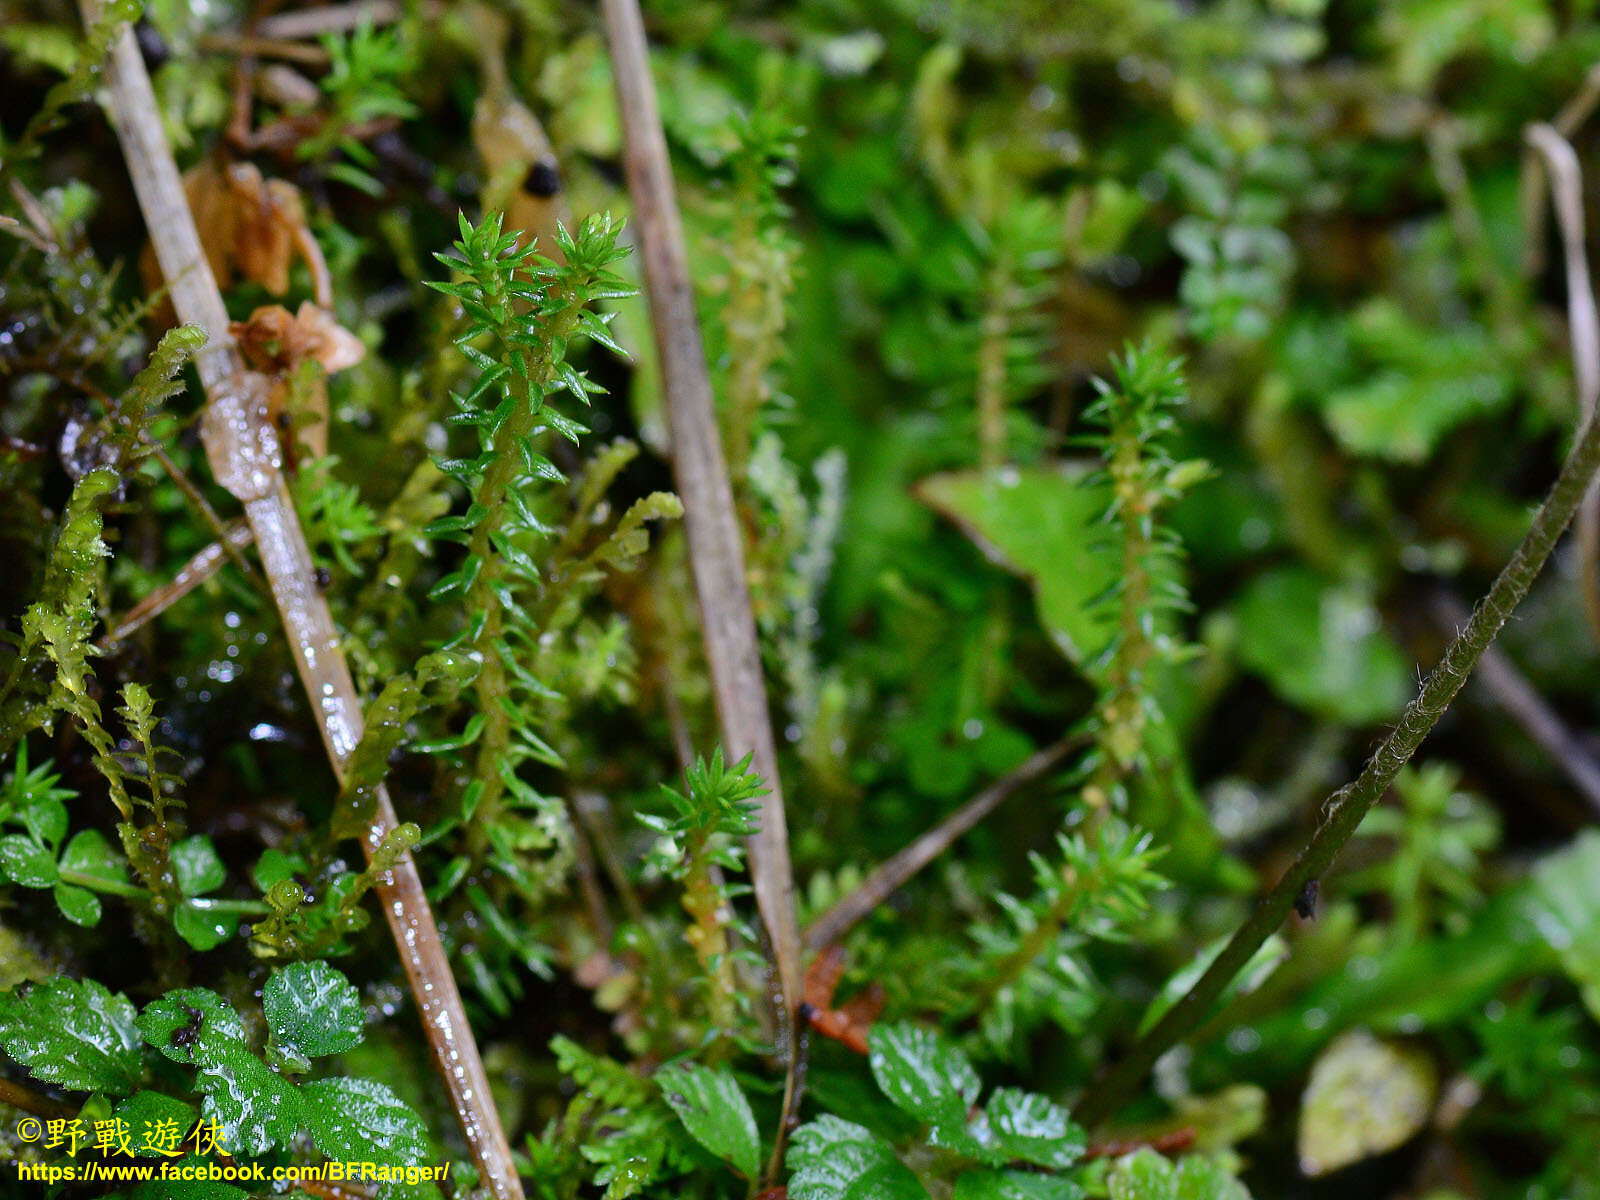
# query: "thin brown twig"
[[1566, 191], [716, 553], [28, 1100], [589, 882], [226, 542], [1482, 267], [248, 46], [595, 813], [893, 873], [205, 563], [337, 18], [1531, 185], [1521, 700], [245, 456]]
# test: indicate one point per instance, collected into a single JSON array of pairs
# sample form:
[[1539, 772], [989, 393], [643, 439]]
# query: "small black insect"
[[152, 46], [322, 577], [543, 178], [1306, 902], [188, 1035]]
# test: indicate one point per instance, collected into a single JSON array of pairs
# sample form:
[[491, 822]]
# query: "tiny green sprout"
[[285, 896]]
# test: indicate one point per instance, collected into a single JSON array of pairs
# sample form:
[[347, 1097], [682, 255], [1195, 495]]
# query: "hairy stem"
[[1342, 812]]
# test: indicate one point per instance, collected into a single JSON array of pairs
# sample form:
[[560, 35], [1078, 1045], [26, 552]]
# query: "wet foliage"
[[1149, 385]]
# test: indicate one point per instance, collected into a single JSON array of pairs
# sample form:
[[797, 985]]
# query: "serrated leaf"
[[144, 1109], [204, 1018], [78, 905], [363, 1119], [923, 1074], [197, 865], [256, 1108], [312, 1009], [74, 1033], [1200, 1177], [26, 862], [1015, 1185], [832, 1159], [714, 1110], [1142, 1175], [188, 1189], [1030, 1127]]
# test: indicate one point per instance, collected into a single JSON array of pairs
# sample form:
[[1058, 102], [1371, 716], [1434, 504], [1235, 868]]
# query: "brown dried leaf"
[[274, 341], [250, 226]]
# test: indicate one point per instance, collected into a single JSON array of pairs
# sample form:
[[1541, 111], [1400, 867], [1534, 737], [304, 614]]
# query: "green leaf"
[[202, 926], [714, 1110], [1044, 524], [313, 1010], [78, 905], [1201, 1177], [362, 1120], [1145, 1175], [188, 1189], [923, 1074], [1028, 1126], [1414, 382], [1564, 906], [144, 1109], [1142, 1175], [46, 820], [74, 1033], [1365, 1097], [830, 1159], [274, 866], [1322, 646], [1254, 973], [89, 854], [1015, 1185], [27, 862], [256, 1108], [204, 1017], [198, 867]]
